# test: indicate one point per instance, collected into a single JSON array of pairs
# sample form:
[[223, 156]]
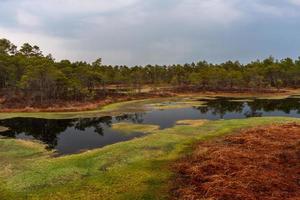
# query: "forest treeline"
[[25, 73]]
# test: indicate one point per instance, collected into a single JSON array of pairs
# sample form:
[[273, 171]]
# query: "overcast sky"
[[155, 31]]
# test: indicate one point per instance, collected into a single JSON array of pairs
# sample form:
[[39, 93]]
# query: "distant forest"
[[25, 73]]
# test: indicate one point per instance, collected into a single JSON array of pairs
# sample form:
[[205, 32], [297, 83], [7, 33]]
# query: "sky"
[[140, 32]]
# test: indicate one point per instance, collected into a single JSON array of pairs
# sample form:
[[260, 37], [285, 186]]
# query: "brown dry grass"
[[72, 106], [257, 164], [21, 105]]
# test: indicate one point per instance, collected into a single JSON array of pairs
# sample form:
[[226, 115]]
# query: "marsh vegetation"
[[136, 169], [124, 150], [30, 80], [135, 119], [257, 163]]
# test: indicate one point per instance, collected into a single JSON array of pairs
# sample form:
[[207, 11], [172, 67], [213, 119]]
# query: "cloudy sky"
[[155, 31]]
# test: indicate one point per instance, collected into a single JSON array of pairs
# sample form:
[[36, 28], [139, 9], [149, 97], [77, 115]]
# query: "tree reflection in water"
[[96, 123], [221, 106], [48, 131], [134, 118], [40, 129], [255, 108]]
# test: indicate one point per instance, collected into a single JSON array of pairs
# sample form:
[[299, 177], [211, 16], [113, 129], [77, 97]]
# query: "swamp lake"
[[68, 136]]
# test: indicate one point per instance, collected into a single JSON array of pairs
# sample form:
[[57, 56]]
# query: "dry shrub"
[[261, 163]]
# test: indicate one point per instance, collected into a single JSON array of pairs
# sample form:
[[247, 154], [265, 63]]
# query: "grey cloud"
[[157, 32]]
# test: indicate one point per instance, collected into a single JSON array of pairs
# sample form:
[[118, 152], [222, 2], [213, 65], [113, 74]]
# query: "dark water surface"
[[74, 135]]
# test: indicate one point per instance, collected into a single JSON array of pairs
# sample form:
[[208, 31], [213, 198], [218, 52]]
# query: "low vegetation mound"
[[2, 129], [261, 163], [129, 128], [194, 123]]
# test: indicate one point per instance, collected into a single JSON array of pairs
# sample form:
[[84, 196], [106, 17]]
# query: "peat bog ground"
[[258, 163]]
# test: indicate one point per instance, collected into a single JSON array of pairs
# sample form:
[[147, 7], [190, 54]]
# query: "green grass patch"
[[136, 169], [197, 122], [274, 97], [184, 103], [241, 100], [128, 128], [109, 110], [134, 106], [112, 109]]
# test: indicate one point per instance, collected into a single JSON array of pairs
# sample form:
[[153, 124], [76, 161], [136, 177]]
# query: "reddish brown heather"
[[257, 164]]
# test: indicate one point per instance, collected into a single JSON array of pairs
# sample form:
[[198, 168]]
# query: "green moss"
[[133, 128], [183, 103], [132, 107], [274, 97], [109, 110], [198, 122], [241, 100], [136, 169], [17, 154]]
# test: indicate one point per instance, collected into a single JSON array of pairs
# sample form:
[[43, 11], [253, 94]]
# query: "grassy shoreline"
[[141, 105], [109, 110], [135, 169], [113, 109]]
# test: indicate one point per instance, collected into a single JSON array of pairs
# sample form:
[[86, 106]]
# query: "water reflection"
[[251, 108], [221, 106], [285, 105], [51, 131], [96, 123], [137, 118], [72, 135], [39, 129]]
